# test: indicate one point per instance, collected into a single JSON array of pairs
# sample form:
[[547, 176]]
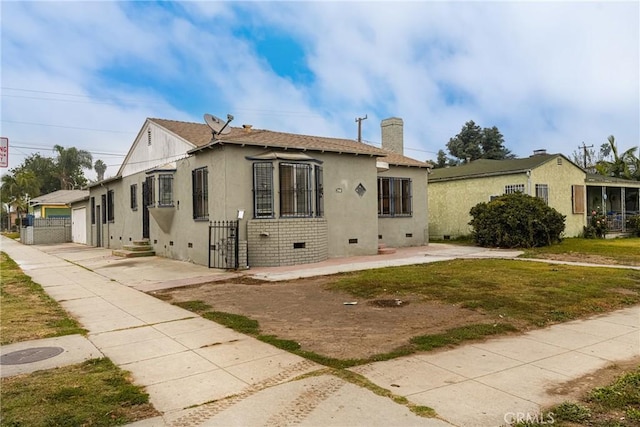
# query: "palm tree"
[[100, 169], [619, 166], [69, 165], [18, 189]]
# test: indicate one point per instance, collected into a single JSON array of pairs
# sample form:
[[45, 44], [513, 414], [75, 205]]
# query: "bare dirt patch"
[[576, 389], [321, 322]]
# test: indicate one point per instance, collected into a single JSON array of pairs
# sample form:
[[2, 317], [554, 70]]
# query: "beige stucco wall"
[[560, 176], [451, 201], [407, 231]]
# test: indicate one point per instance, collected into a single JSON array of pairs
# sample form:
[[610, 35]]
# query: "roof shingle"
[[201, 136]]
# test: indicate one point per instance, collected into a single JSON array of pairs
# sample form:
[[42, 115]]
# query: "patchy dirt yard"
[[321, 322]]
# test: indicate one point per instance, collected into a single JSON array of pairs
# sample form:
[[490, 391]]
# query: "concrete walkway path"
[[199, 373]]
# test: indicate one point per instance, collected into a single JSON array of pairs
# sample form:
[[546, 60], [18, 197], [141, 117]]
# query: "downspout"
[[529, 182]]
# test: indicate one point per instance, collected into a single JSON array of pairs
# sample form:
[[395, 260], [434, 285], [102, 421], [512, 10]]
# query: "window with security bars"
[[165, 190], [103, 199], [319, 191], [151, 191], [394, 196], [514, 188], [542, 192], [263, 190], [199, 178], [110, 206], [134, 196], [295, 190], [93, 210]]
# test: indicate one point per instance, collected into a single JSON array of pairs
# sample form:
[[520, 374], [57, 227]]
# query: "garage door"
[[79, 225]]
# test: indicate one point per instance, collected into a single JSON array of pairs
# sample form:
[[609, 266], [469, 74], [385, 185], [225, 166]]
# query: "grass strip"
[[617, 404], [94, 393], [28, 313]]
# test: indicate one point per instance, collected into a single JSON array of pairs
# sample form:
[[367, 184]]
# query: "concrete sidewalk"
[[200, 373]]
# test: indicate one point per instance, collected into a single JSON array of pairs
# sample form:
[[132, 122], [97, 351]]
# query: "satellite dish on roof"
[[216, 124]]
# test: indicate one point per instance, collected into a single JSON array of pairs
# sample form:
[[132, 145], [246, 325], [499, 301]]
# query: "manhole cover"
[[388, 303], [30, 355]]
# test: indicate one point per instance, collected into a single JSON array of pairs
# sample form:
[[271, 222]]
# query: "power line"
[[102, 153], [66, 127], [140, 101]]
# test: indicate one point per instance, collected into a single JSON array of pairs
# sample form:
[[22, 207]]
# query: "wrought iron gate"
[[223, 244]]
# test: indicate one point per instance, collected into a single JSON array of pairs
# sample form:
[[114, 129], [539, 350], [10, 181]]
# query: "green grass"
[[617, 404], [533, 293], [27, 311], [94, 393], [624, 251]]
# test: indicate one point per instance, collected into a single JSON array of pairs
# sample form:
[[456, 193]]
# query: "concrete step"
[[143, 242], [386, 251], [132, 254], [137, 248]]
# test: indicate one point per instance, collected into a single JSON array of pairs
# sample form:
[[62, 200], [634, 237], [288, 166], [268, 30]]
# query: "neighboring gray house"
[[53, 220], [296, 198]]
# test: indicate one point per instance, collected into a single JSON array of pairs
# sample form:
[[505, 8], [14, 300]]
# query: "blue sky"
[[547, 74]]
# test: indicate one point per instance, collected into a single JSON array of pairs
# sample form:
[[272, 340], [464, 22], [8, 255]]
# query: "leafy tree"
[[69, 165], [516, 221], [493, 145], [443, 161], [467, 144], [474, 143], [100, 169], [16, 190], [45, 170], [615, 164]]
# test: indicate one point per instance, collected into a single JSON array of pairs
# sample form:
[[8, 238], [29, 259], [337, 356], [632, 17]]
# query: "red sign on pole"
[[4, 152]]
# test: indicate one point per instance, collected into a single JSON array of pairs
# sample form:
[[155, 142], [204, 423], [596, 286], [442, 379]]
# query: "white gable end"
[[154, 146]]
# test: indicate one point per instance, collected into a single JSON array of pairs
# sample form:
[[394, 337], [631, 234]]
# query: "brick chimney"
[[392, 135]]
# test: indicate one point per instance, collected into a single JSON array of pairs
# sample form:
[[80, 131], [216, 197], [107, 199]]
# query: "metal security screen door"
[[223, 244]]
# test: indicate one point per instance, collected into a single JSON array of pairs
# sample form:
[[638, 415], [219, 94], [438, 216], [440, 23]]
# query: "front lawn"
[[625, 251], [521, 292]]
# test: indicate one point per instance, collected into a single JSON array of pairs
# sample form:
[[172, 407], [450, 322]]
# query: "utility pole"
[[359, 121], [584, 152]]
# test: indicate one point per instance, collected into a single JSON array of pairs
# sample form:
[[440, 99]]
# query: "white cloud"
[[548, 74]]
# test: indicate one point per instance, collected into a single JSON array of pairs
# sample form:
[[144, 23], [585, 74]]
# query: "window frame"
[[542, 192], [165, 195], [110, 206], [263, 202], [200, 193], [133, 196], [103, 199], [93, 210], [151, 191], [514, 188], [296, 190], [395, 197]]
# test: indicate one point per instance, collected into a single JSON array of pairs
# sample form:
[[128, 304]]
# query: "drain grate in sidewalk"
[[30, 355]]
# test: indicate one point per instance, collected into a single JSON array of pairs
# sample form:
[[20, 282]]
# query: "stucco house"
[[285, 198], [455, 190]]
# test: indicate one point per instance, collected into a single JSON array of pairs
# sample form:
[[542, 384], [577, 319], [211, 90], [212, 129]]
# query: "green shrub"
[[516, 221], [633, 225]]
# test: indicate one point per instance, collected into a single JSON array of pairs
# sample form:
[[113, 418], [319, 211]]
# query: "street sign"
[[4, 152]]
